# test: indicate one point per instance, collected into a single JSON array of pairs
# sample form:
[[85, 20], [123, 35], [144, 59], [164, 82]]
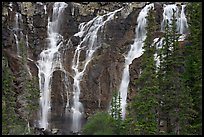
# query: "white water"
[[17, 43], [89, 34], [182, 26], [158, 43], [17, 30], [10, 6], [50, 59], [168, 14], [182, 22], [135, 52], [49, 62], [72, 11], [45, 8]]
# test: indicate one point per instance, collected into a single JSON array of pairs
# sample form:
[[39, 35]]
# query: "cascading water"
[[45, 8], [135, 52], [17, 30], [89, 34], [158, 43], [182, 25], [50, 61], [181, 21], [10, 6], [168, 13]]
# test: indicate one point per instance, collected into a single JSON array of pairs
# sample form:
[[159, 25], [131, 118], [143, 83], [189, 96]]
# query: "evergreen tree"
[[30, 87], [165, 75], [144, 106], [116, 106], [116, 113], [100, 123], [13, 124], [193, 63], [8, 99], [175, 101]]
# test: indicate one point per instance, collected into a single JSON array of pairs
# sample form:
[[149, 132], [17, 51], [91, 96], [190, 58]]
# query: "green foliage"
[[100, 123], [170, 94], [30, 87], [116, 106], [32, 95], [193, 64], [144, 105], [12, 123], [116, 113], [175, 100], [103, 123], [8, 99]]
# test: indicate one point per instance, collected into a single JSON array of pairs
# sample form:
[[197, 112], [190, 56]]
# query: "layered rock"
[[103, 74]]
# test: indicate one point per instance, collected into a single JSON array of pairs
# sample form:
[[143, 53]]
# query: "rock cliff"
[[103, 73]]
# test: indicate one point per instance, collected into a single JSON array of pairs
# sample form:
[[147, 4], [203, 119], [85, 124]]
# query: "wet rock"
[[158, 14], [103, 73], [42, 131], [55, 131], [41, 18]]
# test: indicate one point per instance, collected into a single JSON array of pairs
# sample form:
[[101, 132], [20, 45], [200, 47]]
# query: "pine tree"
[[30, 89], [116, 106], [175, 101], [144, 105], [193, 64], [116, 113], [8, 99], [12, 123]]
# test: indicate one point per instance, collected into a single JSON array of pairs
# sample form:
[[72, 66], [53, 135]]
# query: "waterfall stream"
[[136, 48], [90, 42], [18, 30], [135, 52], [49, 61], [182, 26], [90, 34]]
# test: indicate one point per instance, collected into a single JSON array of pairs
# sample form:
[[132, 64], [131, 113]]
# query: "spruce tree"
[[8, 99], [193, 64], [116, 113], [30, 88], [144, 106], [175, 101]]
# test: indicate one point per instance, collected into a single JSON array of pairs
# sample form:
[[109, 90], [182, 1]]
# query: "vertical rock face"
[[103, 73]]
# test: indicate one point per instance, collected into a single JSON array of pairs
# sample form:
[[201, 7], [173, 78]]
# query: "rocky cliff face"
[[102, 75]]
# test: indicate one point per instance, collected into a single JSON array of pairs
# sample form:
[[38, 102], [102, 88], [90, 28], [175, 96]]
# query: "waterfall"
[[17, 30], [182, 26], [90, 42], [49, 61], [10, 6], [181, 21], [158, 42], [135, 52], [45, 8], [167, 15]]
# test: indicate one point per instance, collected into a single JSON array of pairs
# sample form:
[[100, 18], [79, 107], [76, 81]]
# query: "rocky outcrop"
[[104, 72]]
